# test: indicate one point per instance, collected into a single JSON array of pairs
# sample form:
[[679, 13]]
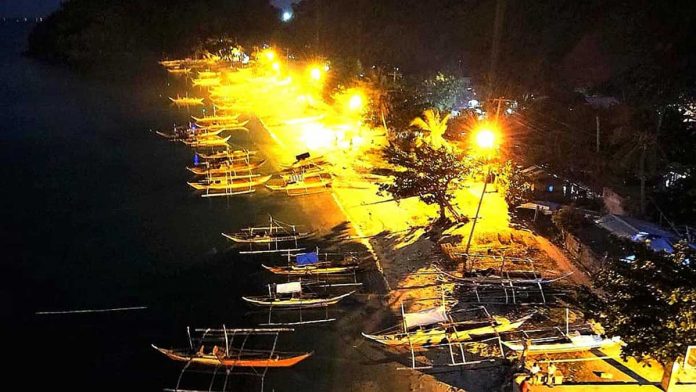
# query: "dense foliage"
[[650, 301], [91, 33], [426, 173]]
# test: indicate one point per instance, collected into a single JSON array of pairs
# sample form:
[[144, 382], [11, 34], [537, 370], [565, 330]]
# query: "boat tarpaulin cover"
[[425, 317], [307, 258], [287, 288]]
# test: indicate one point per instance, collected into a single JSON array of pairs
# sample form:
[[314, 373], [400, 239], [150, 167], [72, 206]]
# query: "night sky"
[[29, 8], [33, 8]]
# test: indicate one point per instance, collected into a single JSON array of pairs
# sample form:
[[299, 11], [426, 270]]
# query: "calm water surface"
[[96, 214]]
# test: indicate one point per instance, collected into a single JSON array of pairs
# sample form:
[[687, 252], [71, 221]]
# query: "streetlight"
[[486, 141]]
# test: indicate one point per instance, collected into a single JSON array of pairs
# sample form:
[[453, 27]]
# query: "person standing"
[[535, 373], [551, 372]]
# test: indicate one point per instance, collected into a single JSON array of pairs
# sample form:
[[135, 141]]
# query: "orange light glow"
[[355, 103], [485, 139], [315, 73]]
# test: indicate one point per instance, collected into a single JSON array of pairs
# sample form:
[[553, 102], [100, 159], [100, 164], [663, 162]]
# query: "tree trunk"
[[442, 212], [669, 375]]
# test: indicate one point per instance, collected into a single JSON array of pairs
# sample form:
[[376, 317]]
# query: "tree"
[[434, 126], [514, 186], [426, 173], [650, 302]]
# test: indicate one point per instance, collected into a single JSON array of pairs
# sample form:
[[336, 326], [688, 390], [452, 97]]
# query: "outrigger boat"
[[291, 295], [298, 184], [207, 141], [436, 326], [225, 167], [574, 342], [228, 155], [484, 277], [238, 351], [206, 82], [276, 231], [216, 119], [187, 101], [230, 183], [226, 126], [179, 70], [233, 358], [309, 264], [183, 132]]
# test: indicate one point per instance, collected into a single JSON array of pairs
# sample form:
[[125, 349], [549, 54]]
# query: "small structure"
[[657, 238]]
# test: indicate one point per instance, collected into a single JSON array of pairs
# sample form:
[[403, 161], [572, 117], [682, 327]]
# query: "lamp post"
[[486, 142]]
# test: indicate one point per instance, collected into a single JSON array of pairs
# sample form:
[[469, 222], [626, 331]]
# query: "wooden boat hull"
[[569, 347], [439, 335], [226, 168], [215, 119], [233, 183], [208, 142], [296, 302], [310, 183], [212, 360], [300, 271], [233, 155], [267, 239]]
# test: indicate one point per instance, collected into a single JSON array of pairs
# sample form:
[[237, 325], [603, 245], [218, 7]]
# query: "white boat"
[[574, 342]]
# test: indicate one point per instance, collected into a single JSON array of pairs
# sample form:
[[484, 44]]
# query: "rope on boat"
[[92, 310]]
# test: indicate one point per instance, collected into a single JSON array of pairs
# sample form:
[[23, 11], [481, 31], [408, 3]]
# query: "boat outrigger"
[[272, 235], [207, 141], [240, 351], [228, 155], [216, 119], [225, 167], [569, 343], [436, 326], [292, 295], [307, 264], [187, 101], [230, 183], [299, 184]]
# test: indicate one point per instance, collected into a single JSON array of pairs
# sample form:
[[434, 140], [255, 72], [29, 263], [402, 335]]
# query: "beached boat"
[[177, 71], [573, 342], [490, 277], [436, 326], [234, 359], [298, 184], [276, 231], [229, 126], [292, 295], [187, 101], [185, 132], [206, 82], [216, 119], [227, 352], [228, 155], [207, 141], [306, 264], [225, 167], [230, 182]]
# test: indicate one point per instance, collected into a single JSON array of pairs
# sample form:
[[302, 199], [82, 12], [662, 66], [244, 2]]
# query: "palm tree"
[[640, 151], [434, 126]]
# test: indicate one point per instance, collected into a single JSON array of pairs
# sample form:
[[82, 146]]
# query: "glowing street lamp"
[[315, 73], [355, 103], [287, 15], [276, 66], [486, 141], [269, 54]]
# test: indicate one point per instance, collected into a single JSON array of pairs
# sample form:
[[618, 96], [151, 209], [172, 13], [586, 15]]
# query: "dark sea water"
[[96, 214]]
